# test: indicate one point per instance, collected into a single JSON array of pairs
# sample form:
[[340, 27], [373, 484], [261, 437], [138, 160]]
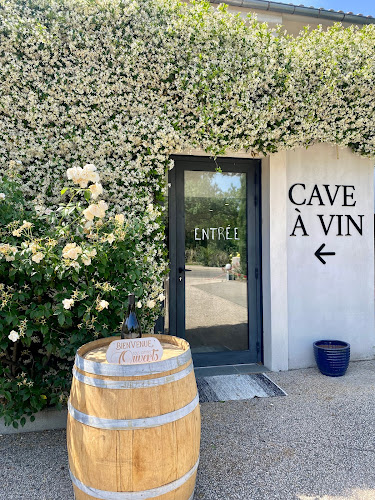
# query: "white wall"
[[274, 262], [333, 300]]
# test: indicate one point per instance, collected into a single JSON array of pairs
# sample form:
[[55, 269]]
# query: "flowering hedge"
[[125, 83]]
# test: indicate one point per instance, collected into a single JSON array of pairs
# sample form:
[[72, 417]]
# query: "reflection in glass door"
[[216, 315], [215, 252]]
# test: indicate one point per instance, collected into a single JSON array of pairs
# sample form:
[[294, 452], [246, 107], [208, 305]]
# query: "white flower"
[[161, 297], [111, 238], [95, 210], [8, 251], [86, 260], [103, 304], [2, 196], [13, 336], [139, 304], [37, 257], [82, 176], [91, 253], [71, 251], [120, 218], [96, 190], [74, 264], [151, 304], [26, 224], [33, 246], [67, 303]]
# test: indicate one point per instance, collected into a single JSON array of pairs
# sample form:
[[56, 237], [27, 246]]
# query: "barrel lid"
[[91, 357], [98, 355]]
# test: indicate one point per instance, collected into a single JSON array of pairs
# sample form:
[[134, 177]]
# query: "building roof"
[[301, 10]]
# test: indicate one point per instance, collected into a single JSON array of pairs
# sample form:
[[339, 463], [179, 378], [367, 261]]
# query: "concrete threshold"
[[210, 371]]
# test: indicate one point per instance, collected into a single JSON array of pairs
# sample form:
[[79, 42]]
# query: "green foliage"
[[64, 281]]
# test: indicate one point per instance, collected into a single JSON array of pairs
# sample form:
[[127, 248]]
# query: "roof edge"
[[300, 10]]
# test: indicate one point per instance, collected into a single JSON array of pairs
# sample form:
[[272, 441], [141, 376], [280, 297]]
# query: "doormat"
[[235, 387]]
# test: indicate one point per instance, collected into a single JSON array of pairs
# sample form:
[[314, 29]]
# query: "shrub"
[[64, 279]]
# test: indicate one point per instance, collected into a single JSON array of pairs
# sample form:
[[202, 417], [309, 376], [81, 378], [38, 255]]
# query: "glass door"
[[215, 259]]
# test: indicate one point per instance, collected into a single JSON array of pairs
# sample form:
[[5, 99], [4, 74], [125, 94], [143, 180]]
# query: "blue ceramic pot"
[[332, 357]]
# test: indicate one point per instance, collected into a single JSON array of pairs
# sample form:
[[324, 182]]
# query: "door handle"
[[183, 269]]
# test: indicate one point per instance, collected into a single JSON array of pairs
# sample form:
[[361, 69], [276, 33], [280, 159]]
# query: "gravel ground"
[[316, 443]]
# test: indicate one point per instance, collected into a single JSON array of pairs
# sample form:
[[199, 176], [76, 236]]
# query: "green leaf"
[[8, 395], [44, 329], [61, 319], [64, 190], [87, 194]]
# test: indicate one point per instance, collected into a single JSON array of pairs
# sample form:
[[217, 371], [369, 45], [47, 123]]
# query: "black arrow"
[[319, 253]]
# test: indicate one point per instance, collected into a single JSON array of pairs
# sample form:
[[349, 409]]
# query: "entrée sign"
[[134, 351]]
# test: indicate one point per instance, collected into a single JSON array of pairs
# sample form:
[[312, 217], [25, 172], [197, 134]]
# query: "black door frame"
[[177, 253]]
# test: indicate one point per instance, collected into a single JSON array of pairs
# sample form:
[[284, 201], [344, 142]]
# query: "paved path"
[[318, 443]]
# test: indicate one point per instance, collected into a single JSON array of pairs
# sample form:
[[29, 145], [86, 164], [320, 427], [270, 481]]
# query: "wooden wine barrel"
[[134, 430]]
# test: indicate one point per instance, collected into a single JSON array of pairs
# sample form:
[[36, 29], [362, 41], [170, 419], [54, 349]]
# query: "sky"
[[365, 7]]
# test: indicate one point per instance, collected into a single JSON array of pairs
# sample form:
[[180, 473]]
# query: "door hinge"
[[256, 273]]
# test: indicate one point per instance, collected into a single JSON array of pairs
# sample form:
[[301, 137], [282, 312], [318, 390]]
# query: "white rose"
[[95, 210], [37, 257], [71, 251], [96, 190], [104, 304], [139, 304], [89, 213], [89, 167], [151, 304], [2, 196], [67, 303], [91, 253], [89, 171], [13, 336], [102, 205], [161, 297], [77, 175], [86, 260], [120, 218], [111, 238]]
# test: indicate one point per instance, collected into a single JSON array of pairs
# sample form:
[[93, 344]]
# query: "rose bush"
[[65, 275]]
